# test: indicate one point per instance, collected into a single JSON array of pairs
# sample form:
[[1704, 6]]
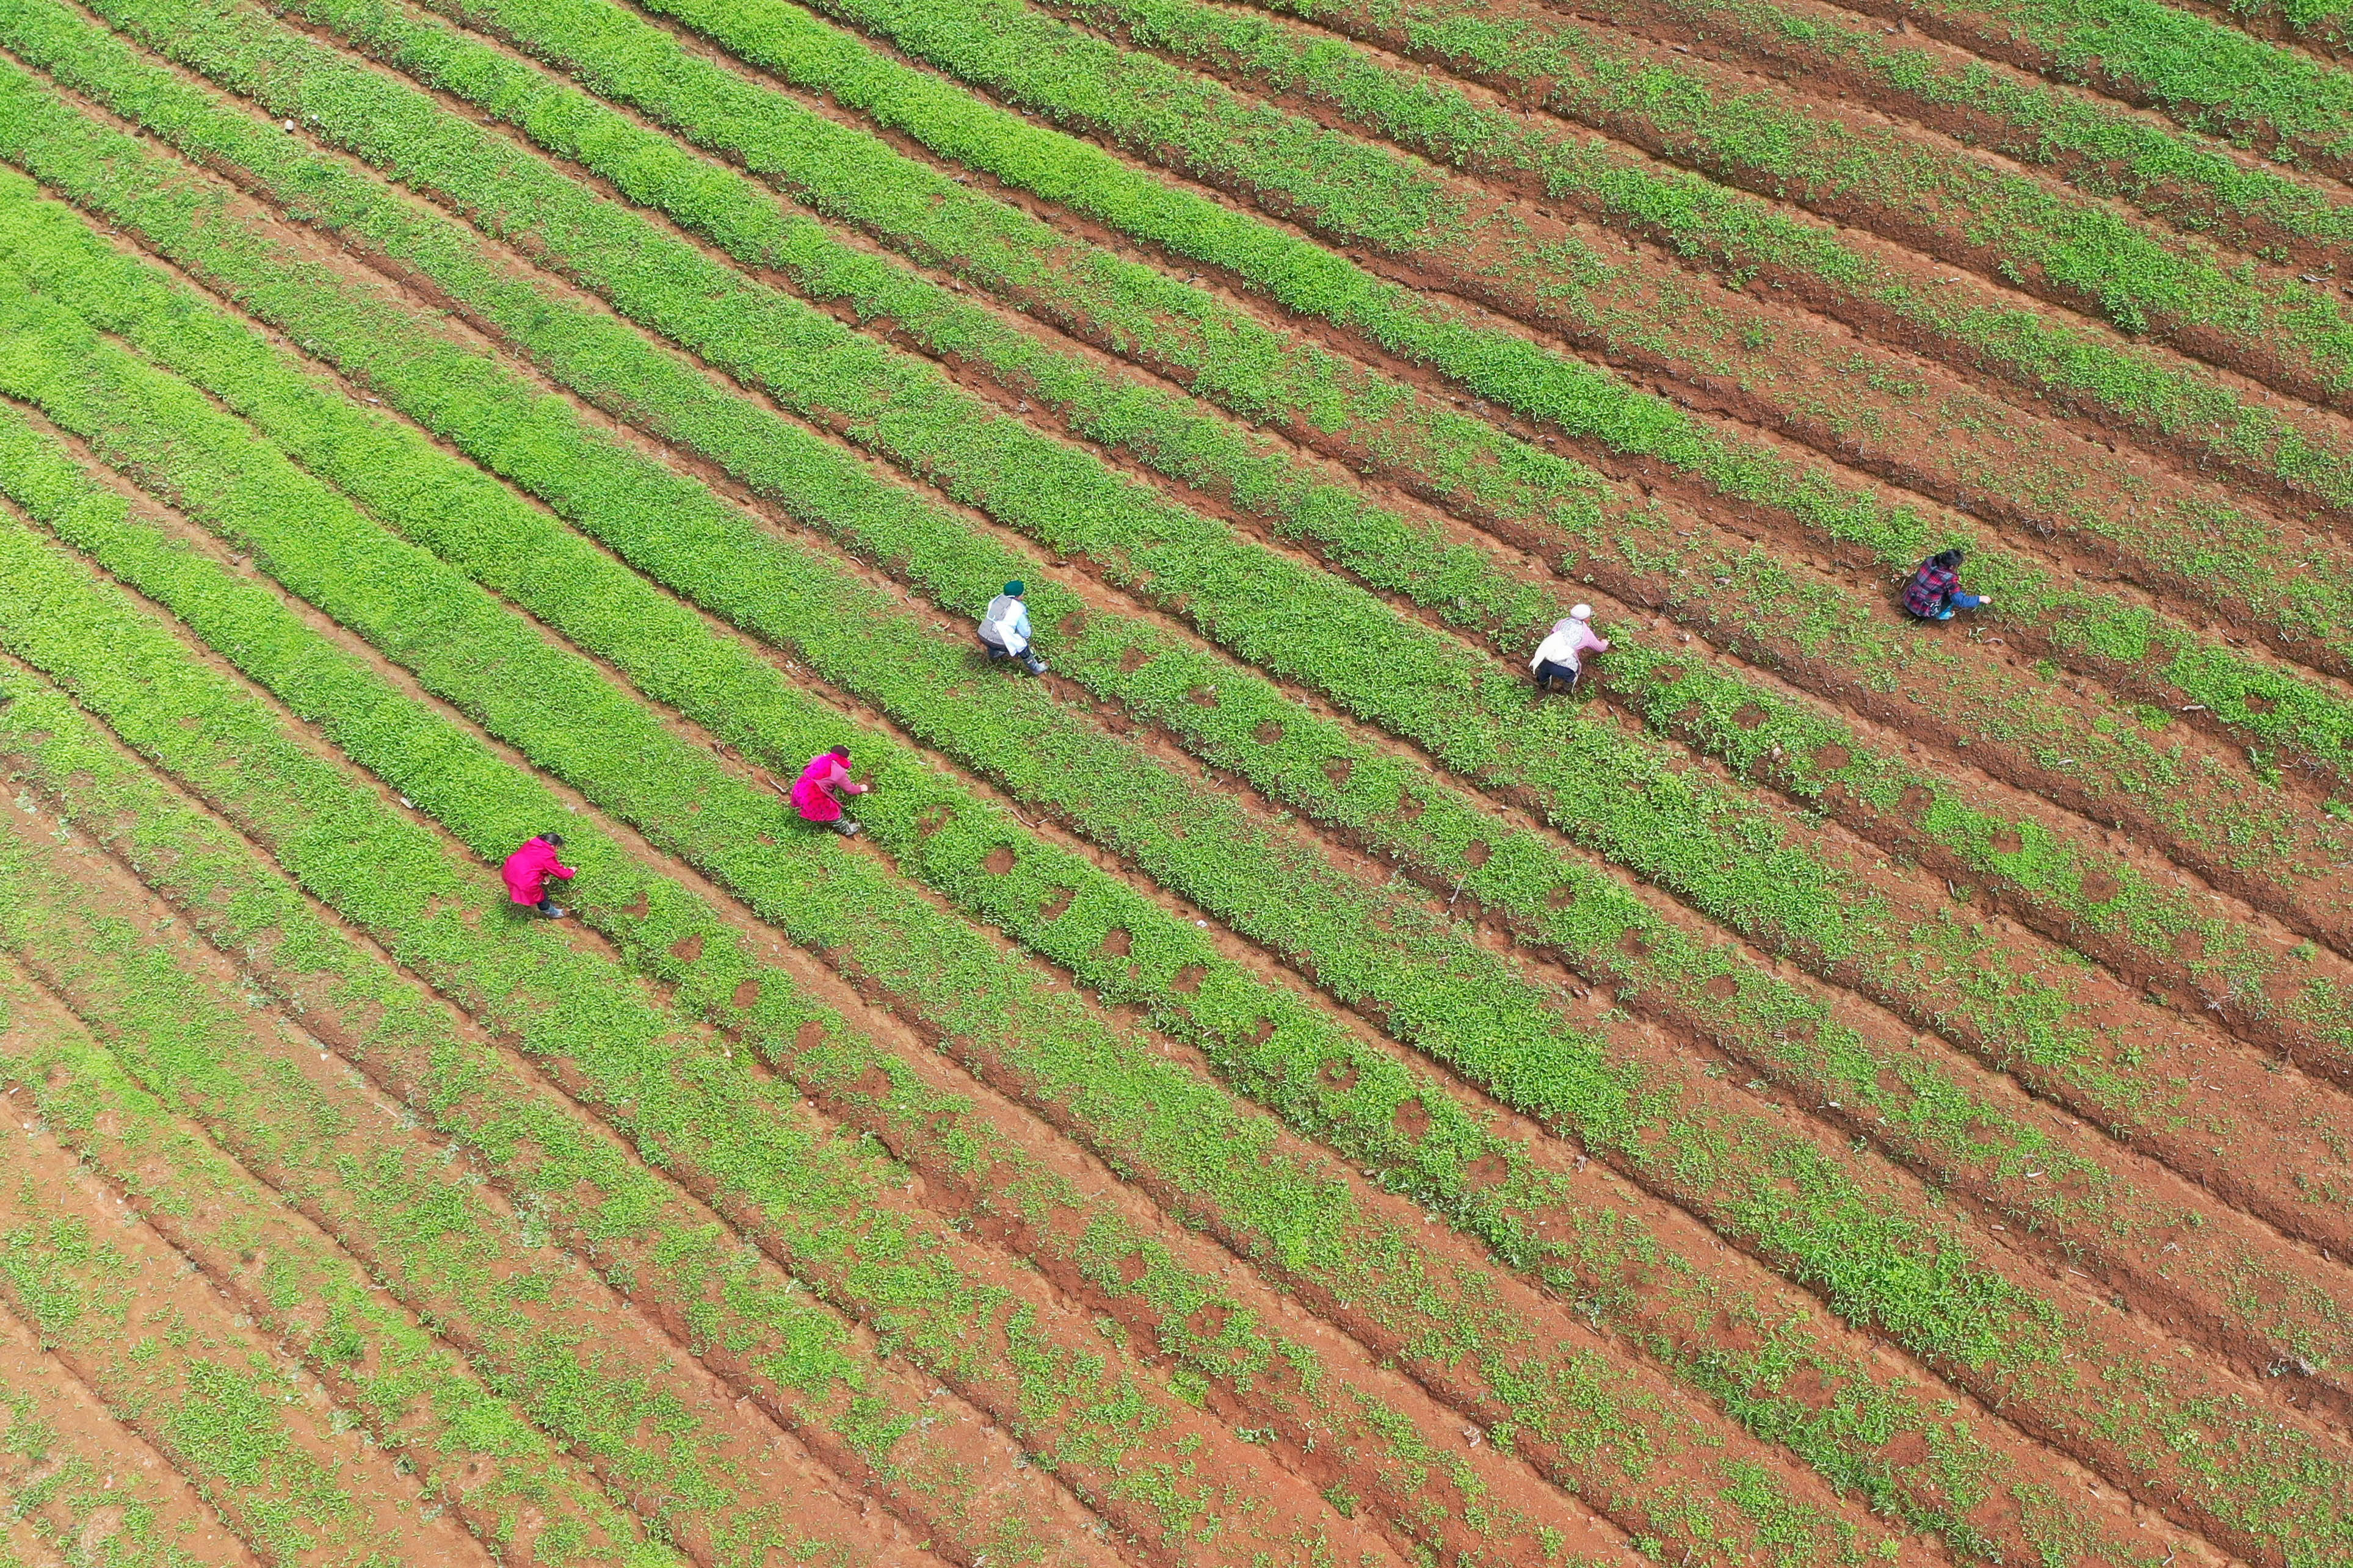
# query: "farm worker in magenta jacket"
[[814, 792], [1005, 628], [1933, 591], [528, 869], [1560, 656]]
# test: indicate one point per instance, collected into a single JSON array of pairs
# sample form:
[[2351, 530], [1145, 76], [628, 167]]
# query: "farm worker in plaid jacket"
[[1935, 591], [1560, 656], [1005, 628], [814, 792], [528, 869]]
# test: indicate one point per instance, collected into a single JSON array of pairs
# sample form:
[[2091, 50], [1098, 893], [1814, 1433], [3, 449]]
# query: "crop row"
[[166, 1353], [2195, 183], [1430, 986], [1289, 162], [1535, 881], [1776, 144], [713, 1481], [1747, 723], [453, 635], [2202, 74], [71, 1473], [2184, 795], [1635, 425], [1045, 891], [475, 1451], [612, 349]]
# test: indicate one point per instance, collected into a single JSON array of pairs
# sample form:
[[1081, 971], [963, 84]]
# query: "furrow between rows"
[[1202, 1153], [77, 1480], [476, 1452], [2165, 783], [259, 1437]]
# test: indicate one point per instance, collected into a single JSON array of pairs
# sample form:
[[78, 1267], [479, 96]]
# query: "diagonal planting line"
[[69, 1473], [1432, 988], [1056, 494], [169, 1358], [2133, 644], [715, 1487], [282, 551], [476, 1450], [1564, 1399]]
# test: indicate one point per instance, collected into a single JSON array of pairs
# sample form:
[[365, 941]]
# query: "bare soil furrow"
[[78, 1480], [240, 1418], [634, 1388], [1594, 1275]]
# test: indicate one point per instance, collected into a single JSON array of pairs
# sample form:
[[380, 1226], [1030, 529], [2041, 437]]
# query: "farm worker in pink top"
[[1560, 656], [528, 869], [813, 792]]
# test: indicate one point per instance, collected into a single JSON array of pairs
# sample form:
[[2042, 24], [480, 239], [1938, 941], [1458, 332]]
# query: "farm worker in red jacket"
[[528, 869], [814, 791], [1005, 628], [1933, 590], [1561, 656]]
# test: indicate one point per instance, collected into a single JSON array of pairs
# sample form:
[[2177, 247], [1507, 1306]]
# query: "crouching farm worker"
[[1004, 629], [1561, 656], [1933, 591], [528, 869], [814, 793]]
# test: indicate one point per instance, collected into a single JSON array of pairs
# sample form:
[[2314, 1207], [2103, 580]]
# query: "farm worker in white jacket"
[[1560, 656], [1005, 628]]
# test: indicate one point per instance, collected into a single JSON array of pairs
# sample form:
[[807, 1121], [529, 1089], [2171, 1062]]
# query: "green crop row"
[[2186, 180], [2070, 249], [1138, 313], [818, 1199], [474, 1450], [1434, 988], [2232, 561], [1043, 891], [65, 1480], [540, 1329], [555, 707], [1070, 496], [1462, 461], [1066, 75], [1425, 985], [1787, 736], [2200, 72], [208, 1397], [1516, 881]]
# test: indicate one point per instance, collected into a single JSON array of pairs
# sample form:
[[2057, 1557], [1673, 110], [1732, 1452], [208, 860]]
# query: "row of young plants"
[[827, 1206], [1040, 896], [1229, 359], [2070, 250], [1135, 312], [1301, 772], [2167, 787], [2189, 181], [1567, 1402], [661, 1435], [1943, 1123], [64, 1478], [2202, 74], [1433, 986], [525, 311], [171, 1364], [1788, 737], [1210, 133], [474, 1450]]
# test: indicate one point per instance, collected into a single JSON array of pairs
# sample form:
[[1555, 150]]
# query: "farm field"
[[1274, 1089]]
